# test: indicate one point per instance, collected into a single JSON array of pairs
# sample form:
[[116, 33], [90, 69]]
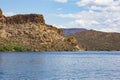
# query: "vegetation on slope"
[[95, 40], [16, 48]]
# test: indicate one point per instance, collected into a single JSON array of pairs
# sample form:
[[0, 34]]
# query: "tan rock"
[[31, 31], [3, 34], [0, 13]]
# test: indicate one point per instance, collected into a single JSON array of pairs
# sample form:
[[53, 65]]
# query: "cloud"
[[9, 13], [84, 23], [98, 2], [59, 26], [103, 21], [102, 15], [61, 1], [102, 5]]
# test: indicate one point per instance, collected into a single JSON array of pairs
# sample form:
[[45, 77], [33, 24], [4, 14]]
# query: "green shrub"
[[8, 48], [18, 48], [2, 49]]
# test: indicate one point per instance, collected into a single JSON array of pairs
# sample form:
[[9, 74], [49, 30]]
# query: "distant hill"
[[96, 40], [72, 30]]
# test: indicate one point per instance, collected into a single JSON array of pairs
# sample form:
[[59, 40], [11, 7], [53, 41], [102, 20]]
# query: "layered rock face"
[[27, 18], [30, 30]]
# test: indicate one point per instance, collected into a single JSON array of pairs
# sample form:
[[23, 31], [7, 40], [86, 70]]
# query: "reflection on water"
[[62, 66]]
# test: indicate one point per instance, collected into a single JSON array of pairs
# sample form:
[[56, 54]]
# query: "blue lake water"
[[88, 65]]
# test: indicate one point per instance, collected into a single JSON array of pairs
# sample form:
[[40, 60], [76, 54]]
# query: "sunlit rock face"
[[2, 17], [31, 31], [0, 12]]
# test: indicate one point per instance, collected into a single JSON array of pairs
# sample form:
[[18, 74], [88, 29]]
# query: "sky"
[[101, 15]]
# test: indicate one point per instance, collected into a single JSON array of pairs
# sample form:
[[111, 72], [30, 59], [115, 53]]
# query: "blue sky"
[[102, 15]]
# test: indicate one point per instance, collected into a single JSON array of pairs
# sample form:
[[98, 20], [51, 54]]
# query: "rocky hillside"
[[96, 40], [29, 32]]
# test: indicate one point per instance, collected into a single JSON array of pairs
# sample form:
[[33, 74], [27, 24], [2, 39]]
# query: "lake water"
[[86, 65]]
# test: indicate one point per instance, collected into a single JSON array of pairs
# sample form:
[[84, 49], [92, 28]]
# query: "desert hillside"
[[96, 40], [29, 32]]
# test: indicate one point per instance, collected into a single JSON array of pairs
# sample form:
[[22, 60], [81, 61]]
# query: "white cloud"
[[102, 15], [102, 5], [61, 1], [84, 23], [98, 2], [9, 13], [103, 2], [59, 26], [103, 21]]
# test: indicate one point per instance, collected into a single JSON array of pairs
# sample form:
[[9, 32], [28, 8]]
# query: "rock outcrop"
[[31, 31], [0, 12], [2, 18], [27, 18]]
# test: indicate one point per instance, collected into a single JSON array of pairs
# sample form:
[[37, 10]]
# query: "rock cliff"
[[27, 18], [31, 32]]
